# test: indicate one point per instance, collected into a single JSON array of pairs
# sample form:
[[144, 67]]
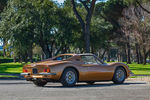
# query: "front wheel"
[[69, 77], [40, 83], [119, 75]]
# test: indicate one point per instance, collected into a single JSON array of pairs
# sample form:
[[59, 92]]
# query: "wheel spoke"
[[70, 77], [120, 75]]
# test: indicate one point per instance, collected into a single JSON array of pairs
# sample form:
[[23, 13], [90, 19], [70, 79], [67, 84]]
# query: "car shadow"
[[94, 85]]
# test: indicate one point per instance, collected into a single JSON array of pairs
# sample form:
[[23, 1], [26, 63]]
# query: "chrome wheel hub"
[[70, 77], [120, 75]]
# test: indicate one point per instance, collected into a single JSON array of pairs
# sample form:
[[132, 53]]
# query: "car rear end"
[[34, 72]]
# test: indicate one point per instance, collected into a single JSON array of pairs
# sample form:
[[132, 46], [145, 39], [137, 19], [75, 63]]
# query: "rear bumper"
[[27, 74], [23, 74]]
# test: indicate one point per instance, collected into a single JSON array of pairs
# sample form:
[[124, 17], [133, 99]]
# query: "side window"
[[62, 57], [89, 60]]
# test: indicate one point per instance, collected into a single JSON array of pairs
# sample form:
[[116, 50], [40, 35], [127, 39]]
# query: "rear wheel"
[[90, 83], [40, 83], [69, 77], [119, 75]]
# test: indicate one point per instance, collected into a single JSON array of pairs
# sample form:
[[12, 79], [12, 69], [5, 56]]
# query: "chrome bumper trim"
[[23, 74], [47, 73]]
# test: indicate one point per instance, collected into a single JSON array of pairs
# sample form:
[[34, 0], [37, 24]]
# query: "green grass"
[[4, 76], [11, 68], [140, 69]]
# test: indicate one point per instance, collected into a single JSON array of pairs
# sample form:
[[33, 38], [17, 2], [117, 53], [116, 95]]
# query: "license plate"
[[34, 78]]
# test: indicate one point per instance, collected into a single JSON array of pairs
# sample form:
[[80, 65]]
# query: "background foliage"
[[40, 29]]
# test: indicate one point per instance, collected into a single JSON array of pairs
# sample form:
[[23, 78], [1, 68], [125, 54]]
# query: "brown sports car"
[[71, 68]]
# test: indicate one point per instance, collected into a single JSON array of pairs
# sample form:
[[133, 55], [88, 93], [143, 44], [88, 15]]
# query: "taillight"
[[47, 70], [44, 70], [25, 70]]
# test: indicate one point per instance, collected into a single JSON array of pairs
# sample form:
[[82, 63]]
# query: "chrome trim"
[[23, 74], [47, 73]]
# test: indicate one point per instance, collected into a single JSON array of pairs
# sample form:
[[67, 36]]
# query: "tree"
[[17, 27], [140, 4], [3, 4], [26, 23], [135, 26], [89, 6]]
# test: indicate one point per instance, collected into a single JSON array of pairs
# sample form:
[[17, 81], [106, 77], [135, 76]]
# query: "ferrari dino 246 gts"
[[71, 68]]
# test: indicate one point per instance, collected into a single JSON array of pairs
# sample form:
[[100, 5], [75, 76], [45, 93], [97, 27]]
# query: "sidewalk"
[[140, 78]]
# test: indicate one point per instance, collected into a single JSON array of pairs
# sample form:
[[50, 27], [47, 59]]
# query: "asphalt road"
[[23, 90]]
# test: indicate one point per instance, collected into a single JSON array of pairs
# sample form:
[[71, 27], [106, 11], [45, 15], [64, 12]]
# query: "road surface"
[[23, 90]]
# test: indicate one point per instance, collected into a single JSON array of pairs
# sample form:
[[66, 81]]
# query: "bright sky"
[[60, 1]]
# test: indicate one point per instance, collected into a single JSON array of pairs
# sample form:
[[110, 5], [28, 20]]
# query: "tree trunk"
[[89, 6], [141, 57], [128, 53], [124, 57], [103, 54], [108, 56], [30, 53], [145, 56], [137, 54], [87, 37], [45, 50], [15, 59], [4, 50]]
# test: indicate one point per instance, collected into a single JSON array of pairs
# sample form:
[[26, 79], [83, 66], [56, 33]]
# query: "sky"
[[60, 1]]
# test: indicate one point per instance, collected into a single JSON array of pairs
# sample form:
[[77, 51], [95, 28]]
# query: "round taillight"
[[45, 70], [48, 70], [25, 70]]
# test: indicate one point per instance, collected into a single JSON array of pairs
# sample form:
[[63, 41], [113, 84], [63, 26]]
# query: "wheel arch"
[[72, 68], [123, 68]]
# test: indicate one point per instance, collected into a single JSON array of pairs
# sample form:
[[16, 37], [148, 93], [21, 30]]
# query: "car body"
[[71, 68]]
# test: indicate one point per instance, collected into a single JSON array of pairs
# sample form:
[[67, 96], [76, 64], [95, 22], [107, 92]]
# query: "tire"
[[69, 77], [40, 83], [119, 75], [90, 83]]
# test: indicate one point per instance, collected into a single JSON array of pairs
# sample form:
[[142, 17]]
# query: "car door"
[[96, 70]]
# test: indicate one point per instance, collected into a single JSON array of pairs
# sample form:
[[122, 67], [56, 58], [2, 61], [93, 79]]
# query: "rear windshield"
[[64, 57]]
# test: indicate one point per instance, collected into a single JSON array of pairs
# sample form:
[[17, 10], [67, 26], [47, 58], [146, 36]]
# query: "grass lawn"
[[3, 76], [140, 69], [11, 68]]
